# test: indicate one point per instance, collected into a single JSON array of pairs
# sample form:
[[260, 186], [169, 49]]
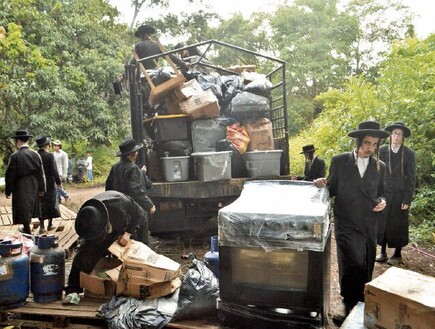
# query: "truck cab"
[[192, 205]]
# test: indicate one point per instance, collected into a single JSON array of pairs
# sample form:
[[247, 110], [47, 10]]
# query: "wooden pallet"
[[56, 315], [63, 227]]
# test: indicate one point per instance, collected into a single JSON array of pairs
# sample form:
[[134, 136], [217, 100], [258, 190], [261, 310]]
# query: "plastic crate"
[[175, 168], [212, 166], [168, 127], [263, 163]]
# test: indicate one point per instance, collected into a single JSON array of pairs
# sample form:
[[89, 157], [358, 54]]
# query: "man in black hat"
[[25, 180], [126, 177], [49, 202], [356, 181], [107, 217], [147, 47], [314, 166], [399, 190]]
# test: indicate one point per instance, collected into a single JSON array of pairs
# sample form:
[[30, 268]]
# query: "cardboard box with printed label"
[[101, 282], [400, 298], [202, 106], [141, 261], [187, 89]]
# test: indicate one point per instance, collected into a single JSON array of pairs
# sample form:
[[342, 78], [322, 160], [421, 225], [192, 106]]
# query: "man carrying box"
[[107, 217]]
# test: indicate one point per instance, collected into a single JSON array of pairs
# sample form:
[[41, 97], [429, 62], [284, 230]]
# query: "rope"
[[423, 252]]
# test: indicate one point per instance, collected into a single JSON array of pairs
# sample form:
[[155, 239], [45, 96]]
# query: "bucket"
[[47, 270], [14, 275]]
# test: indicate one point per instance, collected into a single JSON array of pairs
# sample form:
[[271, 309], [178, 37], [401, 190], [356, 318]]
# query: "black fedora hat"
[[42, 140], [308, 148], [399, 125], [127, 147], [92, 219], [23, 133], [370, 128], [144, 29]]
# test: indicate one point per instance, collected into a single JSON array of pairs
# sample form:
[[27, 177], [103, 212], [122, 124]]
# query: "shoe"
[[72, 298], [381, 258], [42, 231], [341, 314], [50, 227], [395, 260]]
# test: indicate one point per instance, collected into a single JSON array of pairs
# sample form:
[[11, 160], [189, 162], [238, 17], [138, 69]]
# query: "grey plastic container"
[[263, 163], [212, 166], [175, 169]]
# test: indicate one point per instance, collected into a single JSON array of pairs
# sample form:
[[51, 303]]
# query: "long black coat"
[[399, 188], [24, 178], [126, 177], [355, 221], [49, 202], [316, 170]]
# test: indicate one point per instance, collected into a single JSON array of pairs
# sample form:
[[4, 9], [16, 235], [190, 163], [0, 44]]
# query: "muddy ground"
[[416, 258]]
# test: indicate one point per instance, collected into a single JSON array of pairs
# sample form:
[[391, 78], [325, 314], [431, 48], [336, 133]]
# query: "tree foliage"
[[58, 60], [403, 92]]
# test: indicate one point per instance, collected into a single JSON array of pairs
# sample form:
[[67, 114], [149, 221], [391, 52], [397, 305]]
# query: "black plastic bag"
[[198, 292], [212, 82], [261, 87]]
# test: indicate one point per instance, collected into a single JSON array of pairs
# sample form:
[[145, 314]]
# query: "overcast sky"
[[424, 9]]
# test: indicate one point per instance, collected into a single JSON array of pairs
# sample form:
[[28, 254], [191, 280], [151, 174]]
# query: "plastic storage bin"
[[175, 169], [212, 166], [263, 163]]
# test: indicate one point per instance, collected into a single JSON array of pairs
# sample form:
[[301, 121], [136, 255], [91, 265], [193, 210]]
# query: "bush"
[[422, 216]]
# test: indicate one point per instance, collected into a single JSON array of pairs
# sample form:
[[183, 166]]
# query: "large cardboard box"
[[101, 282], [202, 106], [400, 298], [141, 261]]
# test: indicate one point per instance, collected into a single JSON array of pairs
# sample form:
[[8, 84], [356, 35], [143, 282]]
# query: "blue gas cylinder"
[[47, 270], [14, 275], [211, 258]]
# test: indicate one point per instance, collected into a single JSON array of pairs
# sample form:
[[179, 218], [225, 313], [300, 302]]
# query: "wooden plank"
[[195, 324], [25, 323]]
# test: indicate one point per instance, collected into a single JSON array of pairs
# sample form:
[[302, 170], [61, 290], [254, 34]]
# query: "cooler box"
[[175, 169], [212, 166], [263, 163], [168, 127]]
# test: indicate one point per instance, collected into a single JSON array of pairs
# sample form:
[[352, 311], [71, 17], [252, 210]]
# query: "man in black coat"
[[107, 217], [25, 181], [356, 181], [399, 191], [49, 201], [314, 166], [126, 177]]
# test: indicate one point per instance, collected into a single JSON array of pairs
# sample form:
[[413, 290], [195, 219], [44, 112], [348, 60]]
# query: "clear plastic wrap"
[[276, 214]]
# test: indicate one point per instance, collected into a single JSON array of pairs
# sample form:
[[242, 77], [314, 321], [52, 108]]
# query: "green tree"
[[58, 61]]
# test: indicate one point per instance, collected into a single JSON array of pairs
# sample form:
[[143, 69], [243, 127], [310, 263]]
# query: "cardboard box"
[[261, 135], [187, 89], [132, 286], [400, 299], [101, 282], [141, 261], [204, 105]]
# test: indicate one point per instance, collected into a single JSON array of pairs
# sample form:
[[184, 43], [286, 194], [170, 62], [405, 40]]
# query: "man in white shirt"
[[89, 174], [62, 167]]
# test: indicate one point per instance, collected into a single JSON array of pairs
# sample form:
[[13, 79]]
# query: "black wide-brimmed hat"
[[399, 125], [308, 148], [127, 147], [370, 128], [92, 219], [42, 140], [23, 133], [144, 29]]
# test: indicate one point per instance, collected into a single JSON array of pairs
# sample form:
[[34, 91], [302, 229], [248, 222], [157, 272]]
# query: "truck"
[[191, 206]]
